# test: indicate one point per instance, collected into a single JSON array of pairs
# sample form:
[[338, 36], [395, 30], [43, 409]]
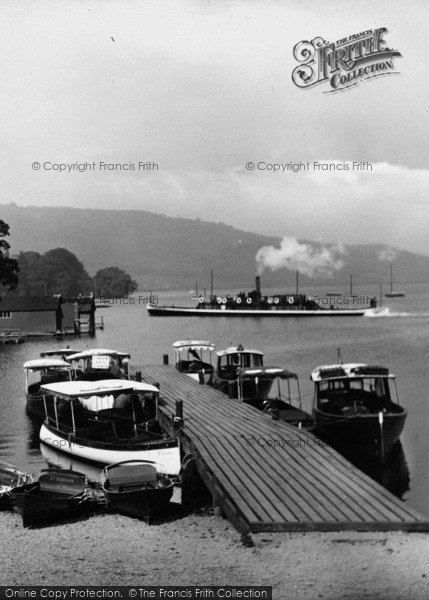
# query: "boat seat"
[[62, 483], [133, 476]]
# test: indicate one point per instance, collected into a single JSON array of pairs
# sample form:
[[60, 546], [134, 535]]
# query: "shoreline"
[[109, 550]]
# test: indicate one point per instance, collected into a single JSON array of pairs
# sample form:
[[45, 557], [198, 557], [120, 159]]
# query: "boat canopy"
[[349, 371], [98, 352], [266, 373], [193, 345], [59, 352], [104, 387], [239, 350], [39, 364]]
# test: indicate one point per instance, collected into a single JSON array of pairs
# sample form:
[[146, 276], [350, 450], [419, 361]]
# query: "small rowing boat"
[[136, 489], [57, 495], [10, 477]]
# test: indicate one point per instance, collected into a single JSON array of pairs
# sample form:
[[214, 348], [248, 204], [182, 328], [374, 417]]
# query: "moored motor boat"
[[136, 488], [357, 404], [229, 361], [38, 372], [95, 364], [275, 391], [240, 373], [197, 362], [109, 421], [57, 495], [61, 352], [10, 477]]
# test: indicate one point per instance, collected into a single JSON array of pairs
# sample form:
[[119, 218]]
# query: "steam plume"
[[387, 255], [302, 257]]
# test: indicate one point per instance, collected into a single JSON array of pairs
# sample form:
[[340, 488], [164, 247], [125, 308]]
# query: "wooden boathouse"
[[48, 315], [266, 475]]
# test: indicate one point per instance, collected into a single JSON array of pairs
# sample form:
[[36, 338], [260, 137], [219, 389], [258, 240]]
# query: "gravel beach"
[[108, 549]]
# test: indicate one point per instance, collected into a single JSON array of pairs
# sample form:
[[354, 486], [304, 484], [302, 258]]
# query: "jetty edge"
[[265, 475]]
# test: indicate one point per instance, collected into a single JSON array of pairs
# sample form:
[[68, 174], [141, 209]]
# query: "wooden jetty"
[[11, 336], [267, 475]]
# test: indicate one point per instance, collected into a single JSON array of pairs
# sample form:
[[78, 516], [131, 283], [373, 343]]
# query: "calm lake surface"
[[398, 338]]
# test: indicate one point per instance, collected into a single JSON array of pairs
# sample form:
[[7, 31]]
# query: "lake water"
[[398, 338]]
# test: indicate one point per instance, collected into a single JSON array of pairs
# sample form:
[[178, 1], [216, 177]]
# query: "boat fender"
[[223, 300], [270, 300], [238, 300], [249, 300], [276, 300], [219, 300], [290, 300]]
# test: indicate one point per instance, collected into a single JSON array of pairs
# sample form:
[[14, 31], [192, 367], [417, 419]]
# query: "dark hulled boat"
[[357, 405], [57, 495], [136, 489]]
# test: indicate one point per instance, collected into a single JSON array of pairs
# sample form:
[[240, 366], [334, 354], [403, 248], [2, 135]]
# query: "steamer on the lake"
[[108, 421], [357, 405], [254, 304]]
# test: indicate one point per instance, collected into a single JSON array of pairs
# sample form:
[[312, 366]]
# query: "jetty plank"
[[267, 475]]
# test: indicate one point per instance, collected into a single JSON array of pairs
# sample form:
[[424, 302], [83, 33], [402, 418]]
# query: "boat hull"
[[362, 431], [164, 453], [247, 391], [35, 405], [144, 503], [10, 477], [38, 510], [56, 496], [177, 311]]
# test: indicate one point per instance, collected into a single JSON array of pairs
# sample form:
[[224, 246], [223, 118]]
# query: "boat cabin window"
[[229, 361], [368, 391]]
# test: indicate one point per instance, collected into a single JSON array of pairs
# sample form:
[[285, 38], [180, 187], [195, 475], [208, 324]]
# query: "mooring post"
[[178, 417], [165, 359]]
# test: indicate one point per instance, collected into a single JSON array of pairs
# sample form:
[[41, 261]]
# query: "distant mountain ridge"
[[162, 252]]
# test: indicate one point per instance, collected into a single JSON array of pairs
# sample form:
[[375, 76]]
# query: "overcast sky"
[[201, 88]]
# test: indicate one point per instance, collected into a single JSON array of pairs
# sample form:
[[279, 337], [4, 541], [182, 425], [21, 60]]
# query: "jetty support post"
[[165, 359]]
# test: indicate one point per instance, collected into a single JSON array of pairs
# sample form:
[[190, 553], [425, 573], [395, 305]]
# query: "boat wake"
[[386, 312]]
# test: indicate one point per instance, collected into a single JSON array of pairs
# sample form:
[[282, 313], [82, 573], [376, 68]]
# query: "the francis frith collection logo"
[[343, 63]]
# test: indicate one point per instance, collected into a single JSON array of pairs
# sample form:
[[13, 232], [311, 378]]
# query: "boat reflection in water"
[[58, 460], [393, 474]]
